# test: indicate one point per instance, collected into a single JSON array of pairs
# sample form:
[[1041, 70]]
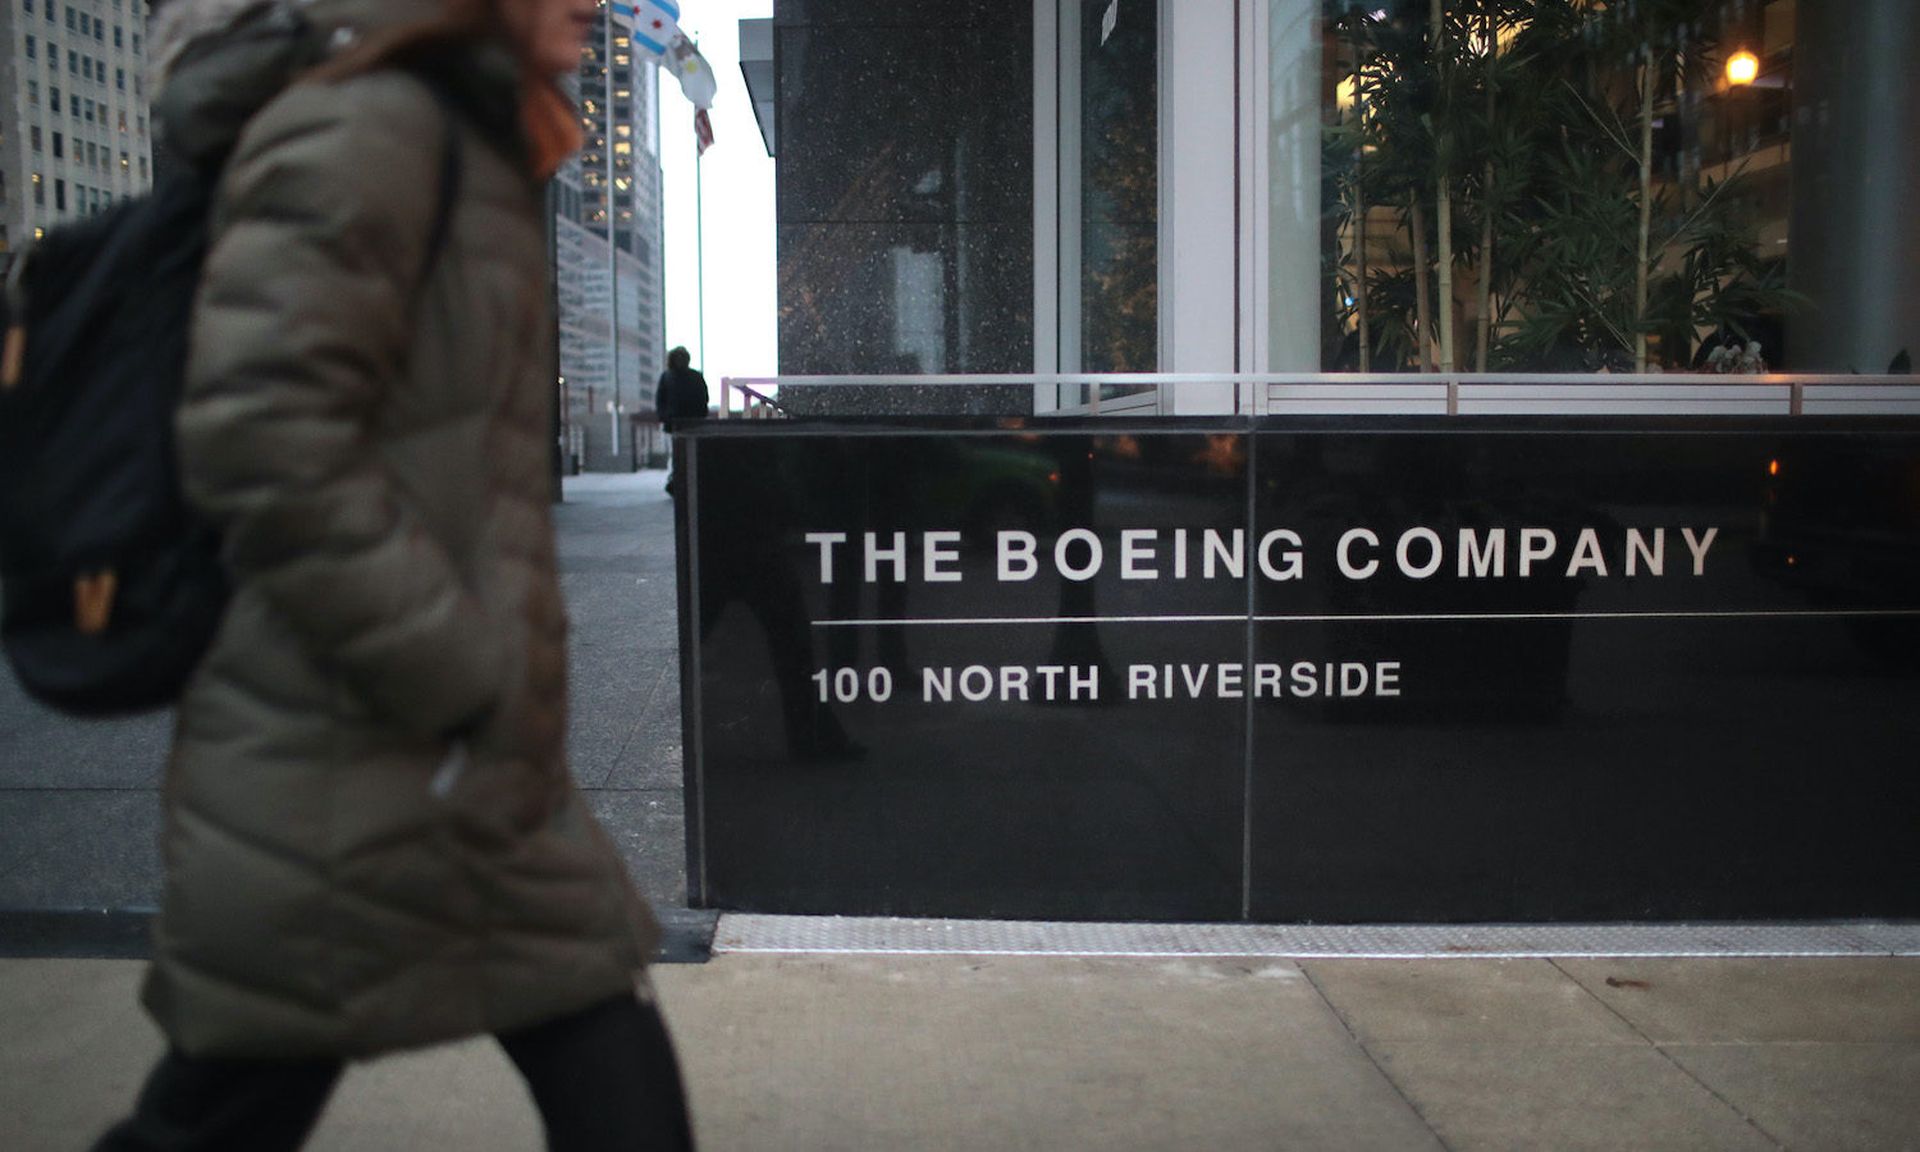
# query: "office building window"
[[59, 146], [59, 195], [33, 48], [34, 133]]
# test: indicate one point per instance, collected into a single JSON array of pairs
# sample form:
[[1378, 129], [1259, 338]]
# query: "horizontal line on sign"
[[1236, 618], [1443, 616], [962, 621]]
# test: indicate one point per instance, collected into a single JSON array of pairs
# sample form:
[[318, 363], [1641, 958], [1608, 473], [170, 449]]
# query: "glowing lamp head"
[[1743, 68]]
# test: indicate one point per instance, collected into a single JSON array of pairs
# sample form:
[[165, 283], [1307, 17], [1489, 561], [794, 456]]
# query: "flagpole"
[[613, 245], [700, 245]]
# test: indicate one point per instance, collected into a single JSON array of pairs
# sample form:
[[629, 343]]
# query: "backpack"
[[111, 587]]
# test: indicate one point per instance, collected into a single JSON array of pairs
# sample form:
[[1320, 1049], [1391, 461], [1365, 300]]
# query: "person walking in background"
[[372, 841], [681, 395]]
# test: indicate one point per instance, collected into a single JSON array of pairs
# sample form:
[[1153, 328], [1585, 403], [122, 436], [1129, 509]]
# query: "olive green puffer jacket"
[[374, 448]]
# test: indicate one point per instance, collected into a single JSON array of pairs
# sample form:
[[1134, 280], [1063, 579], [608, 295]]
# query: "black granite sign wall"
[[1347, 670]]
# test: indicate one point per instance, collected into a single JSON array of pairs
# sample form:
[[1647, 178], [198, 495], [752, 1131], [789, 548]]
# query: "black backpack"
[[112, 588]]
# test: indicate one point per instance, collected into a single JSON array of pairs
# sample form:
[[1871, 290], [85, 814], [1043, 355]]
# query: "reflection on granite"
[[1496, 670], [900, 13], [905, 299], [904, 201]]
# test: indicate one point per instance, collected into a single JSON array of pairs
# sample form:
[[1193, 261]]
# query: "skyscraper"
[[613, 188], [74, 131]]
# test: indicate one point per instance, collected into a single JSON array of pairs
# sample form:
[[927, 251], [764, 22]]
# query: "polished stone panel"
[[1044, 794], [1614, 746], [1350, 670], [905, 299], [905, 230]]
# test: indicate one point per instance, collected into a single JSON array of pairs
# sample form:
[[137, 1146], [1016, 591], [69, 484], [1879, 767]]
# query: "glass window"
[[1119, 190], [1522, 185]]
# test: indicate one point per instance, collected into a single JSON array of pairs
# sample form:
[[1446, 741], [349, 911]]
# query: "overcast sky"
[[738, 181]]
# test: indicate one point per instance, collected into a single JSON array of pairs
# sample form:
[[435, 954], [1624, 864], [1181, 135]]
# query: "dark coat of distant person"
[[682, 393]]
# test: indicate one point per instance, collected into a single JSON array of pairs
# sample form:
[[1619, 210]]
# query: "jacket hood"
[[178, 23], [220, 61]]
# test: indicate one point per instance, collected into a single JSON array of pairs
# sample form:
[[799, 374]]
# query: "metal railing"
[[1436, 394]]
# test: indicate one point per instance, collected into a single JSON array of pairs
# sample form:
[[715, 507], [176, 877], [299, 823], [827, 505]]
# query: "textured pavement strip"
[[827, 935]]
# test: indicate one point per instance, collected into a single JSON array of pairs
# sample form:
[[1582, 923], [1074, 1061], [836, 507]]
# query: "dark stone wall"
[[905, 199]]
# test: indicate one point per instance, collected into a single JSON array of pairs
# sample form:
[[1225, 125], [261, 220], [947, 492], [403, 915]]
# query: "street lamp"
[[1743, 68]]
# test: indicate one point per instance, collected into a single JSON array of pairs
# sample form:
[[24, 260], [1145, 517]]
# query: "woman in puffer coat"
[[371, 839]]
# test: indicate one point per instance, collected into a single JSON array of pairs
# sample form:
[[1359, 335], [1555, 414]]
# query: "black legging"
[[603, 1079]]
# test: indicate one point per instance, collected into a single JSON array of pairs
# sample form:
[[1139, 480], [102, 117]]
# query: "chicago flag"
[[654, 23]]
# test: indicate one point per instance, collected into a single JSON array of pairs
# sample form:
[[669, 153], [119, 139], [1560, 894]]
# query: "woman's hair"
[[679, 358]]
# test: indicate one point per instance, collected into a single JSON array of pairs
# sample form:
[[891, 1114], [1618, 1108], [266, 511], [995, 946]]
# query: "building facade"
[[1336, 186], [74, 131], [608, 241]]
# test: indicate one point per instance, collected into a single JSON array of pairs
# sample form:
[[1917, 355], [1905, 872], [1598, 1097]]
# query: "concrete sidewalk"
[[935, 1052]]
